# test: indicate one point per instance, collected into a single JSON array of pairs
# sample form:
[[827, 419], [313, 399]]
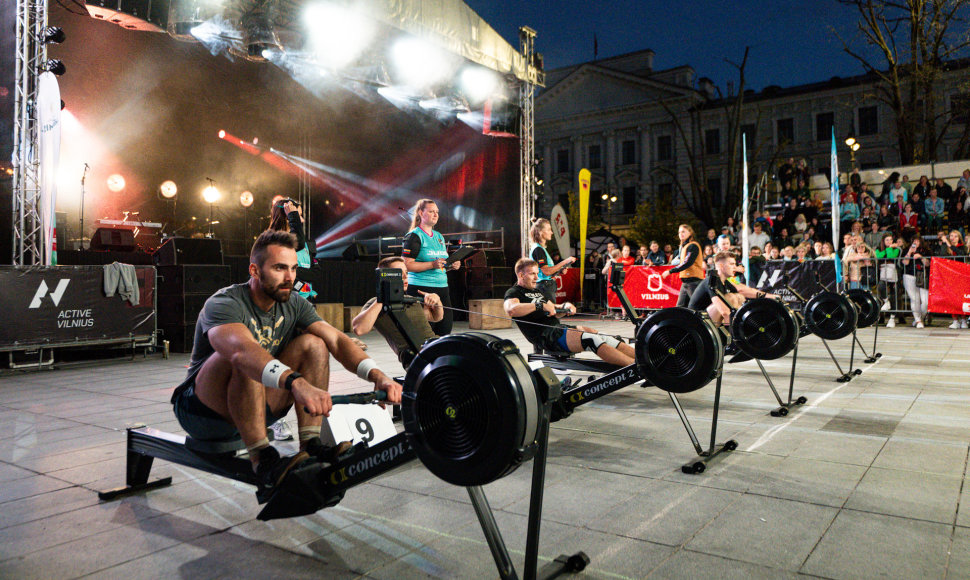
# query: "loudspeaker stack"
[[182, 292]]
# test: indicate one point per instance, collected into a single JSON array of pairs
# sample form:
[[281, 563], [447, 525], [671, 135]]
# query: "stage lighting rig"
[[246, 199], [55, 66], [53, 35], [168, 189], [259, 34]]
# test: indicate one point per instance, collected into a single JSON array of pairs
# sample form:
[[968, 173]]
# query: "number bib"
[[358, 423]]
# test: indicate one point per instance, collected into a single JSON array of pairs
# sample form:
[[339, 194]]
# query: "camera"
[[283, 202]]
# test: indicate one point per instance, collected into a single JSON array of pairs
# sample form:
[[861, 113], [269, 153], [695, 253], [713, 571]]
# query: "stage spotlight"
[[168, 189], [55, 66], [53, 35], [418, 63], [211, 194], [222, 133], [259, 35], [478, 84], [255, 140], [246, 198], [116, 182], [338, 35]]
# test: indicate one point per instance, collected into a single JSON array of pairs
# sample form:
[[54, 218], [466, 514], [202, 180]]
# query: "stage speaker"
[[193, 279], [118, 240], [180, 309], [144, 15], [478, 277], [486, 259], [61, 226], [180, 337], [357, 252], [502, 276], [480, 293], [188, 251]]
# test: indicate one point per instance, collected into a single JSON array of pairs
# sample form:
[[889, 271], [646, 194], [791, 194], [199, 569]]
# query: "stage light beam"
[[211, 194], [338, 35], [116, 182], [418, 63], [222, 133], [168, 189], [246, 198], [478, 84]]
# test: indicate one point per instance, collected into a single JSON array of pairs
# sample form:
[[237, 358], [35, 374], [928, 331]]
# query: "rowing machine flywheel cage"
[[678, 350], [831, 316], [868, 306], [471, 408], [764, 328]]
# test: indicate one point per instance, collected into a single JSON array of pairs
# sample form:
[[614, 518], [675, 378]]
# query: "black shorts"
[[204, 424], [549, 339]]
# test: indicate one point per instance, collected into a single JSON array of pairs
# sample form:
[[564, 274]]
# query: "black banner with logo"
[[807, 278], [61, 305]]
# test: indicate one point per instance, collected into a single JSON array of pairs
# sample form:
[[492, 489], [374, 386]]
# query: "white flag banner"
[[49, 152], [560, 231]]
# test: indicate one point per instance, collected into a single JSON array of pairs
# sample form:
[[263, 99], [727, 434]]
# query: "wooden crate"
[[493, 307], [333, 313], [350, 313]]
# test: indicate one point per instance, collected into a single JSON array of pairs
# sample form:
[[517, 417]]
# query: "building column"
[[644, 156], [610, 158], [577, 158], [547, 168]]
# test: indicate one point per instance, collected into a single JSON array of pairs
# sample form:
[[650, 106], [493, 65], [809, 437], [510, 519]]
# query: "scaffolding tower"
[[28, 243], [527, 143]]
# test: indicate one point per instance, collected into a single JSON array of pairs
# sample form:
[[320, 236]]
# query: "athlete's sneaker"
[[281, 431], [963, 323], [955, 324], [324, 453], [891, 323], [885, 305], [272, 469], [919, 324]]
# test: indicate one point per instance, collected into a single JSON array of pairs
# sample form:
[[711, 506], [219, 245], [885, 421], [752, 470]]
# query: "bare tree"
[[696, 196], [913, 41]]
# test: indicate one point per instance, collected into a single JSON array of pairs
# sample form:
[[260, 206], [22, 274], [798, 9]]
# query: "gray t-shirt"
[[272, 329]]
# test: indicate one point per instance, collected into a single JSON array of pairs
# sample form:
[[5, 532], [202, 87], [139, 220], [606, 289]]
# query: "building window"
[[750, 131], [714, 187], [960, 107], [562, 161], [630, 199], [824, 122], [785, 130], [628, 152], [665, 148], [597, 205], [712, 141], [868, 120], [595, 154], [665, 191]]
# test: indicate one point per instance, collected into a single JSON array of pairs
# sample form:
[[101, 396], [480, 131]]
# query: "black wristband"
[[288, 383], [539, 307]]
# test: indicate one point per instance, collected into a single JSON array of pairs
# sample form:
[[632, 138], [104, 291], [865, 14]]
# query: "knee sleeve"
[[592, 342]]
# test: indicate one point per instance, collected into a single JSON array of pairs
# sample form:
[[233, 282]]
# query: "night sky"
[[792, 42]]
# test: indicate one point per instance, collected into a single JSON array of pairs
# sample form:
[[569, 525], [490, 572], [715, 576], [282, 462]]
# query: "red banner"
[[949, 287], [646, 288], [567, 286]]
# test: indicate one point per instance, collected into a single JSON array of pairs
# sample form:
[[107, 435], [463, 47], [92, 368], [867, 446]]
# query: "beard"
[[280, 293]]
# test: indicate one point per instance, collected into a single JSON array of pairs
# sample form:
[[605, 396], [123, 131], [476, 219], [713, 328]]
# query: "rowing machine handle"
[[357, 398]]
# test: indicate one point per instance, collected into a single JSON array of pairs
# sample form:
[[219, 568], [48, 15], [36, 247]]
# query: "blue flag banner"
[[745, 218], [836, 210]]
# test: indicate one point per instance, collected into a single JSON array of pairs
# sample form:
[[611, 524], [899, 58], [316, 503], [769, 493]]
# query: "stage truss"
[[28, 243]]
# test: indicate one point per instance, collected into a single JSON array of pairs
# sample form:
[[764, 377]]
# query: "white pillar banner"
[[560, 230], [48, 154]]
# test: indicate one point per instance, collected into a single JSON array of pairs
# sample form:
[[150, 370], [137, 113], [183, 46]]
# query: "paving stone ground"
[[867, 479]]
